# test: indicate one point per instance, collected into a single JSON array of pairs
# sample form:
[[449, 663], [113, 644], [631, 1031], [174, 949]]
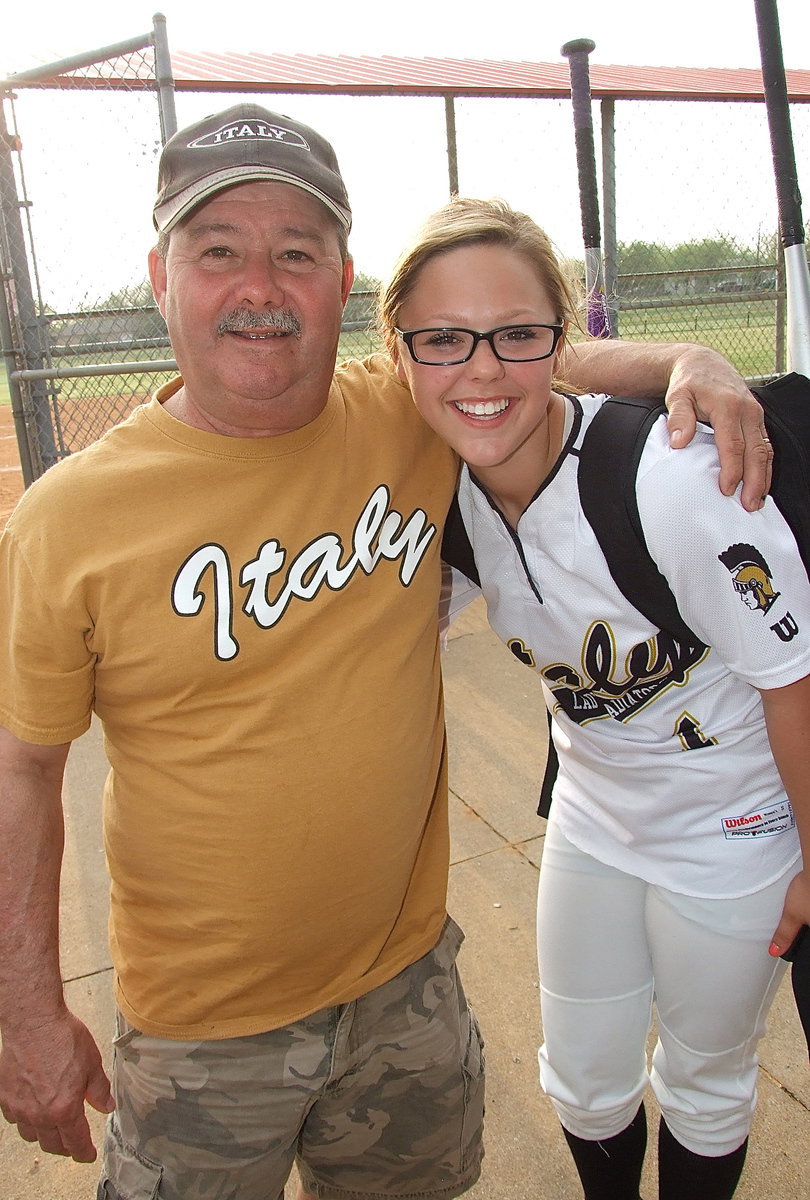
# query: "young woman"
[[652, 882]]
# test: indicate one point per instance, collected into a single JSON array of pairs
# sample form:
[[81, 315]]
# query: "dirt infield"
[[11, 484]]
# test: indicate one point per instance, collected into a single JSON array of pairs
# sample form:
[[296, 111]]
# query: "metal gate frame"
[[23, 339]]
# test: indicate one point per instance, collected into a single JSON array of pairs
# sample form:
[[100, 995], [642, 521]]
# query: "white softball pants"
[[609, 945]]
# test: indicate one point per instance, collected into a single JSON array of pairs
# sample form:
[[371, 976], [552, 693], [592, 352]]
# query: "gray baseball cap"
[[245, 144]]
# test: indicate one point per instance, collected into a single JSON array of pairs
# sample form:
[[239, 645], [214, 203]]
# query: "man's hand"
[[704, 385], [699, 384], [46, 1075]]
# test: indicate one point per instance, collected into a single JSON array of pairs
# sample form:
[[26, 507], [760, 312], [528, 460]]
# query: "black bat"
[[788, 197], [598, 316]]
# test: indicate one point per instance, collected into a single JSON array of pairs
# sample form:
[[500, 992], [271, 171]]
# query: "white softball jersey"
[[665, 766]]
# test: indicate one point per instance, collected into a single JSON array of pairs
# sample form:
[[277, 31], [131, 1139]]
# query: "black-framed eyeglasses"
[[509, 343]]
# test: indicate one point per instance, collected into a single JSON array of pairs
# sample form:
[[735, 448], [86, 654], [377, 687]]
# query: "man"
[[242, 581]]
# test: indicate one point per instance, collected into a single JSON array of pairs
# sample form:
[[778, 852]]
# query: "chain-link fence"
[[696, 251], [724, 288], [75, 297]]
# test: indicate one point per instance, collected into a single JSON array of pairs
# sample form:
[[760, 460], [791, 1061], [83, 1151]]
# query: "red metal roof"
[[387, 76], [463, 77]]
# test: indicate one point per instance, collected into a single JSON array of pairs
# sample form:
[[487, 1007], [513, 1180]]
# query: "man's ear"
[[348, 279], [157, 277]]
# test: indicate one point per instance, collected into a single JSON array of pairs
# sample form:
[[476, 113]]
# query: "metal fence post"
[[164, 78], [780, 321], [7, 343], [452, 147], [24, 326]]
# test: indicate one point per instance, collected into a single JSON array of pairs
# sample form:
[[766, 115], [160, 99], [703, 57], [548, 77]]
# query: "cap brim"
[[167, 215]]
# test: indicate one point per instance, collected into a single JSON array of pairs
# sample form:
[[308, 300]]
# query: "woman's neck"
[[512, 484]]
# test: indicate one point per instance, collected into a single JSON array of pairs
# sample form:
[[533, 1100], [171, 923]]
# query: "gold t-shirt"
[[255, 623]]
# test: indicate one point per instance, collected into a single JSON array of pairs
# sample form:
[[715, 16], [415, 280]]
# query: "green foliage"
[[135, 296], [707, 253], [365, 283], [362, 303]]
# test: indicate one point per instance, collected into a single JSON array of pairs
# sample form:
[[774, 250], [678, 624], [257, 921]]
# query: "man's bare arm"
[[49, 1063], [697, 383]]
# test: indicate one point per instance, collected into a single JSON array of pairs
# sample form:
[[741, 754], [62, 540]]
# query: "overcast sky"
[[694, 33]]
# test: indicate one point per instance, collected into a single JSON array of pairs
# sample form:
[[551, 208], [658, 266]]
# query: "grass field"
[[745, 335]]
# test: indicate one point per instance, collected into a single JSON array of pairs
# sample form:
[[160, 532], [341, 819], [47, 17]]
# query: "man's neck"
[[182, 407]]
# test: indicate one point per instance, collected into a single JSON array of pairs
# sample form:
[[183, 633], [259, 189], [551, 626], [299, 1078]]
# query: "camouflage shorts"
[[382, 1097]]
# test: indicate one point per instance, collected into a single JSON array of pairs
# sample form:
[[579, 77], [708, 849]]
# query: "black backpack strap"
[[786, 402], [457, 550], [608, 464], [549, 775], [799, 954]]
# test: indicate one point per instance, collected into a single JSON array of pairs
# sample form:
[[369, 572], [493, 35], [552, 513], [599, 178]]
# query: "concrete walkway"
[[495, 719]]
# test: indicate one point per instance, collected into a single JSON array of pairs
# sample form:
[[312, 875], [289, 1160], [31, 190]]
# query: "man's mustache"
[[280, 320]]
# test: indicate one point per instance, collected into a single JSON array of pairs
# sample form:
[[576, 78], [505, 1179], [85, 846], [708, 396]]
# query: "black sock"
[[611, 1169], [683, 1175]]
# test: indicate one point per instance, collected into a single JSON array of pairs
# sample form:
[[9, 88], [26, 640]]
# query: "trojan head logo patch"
[[751, 575]]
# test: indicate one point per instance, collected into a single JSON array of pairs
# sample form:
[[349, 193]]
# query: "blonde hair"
[[466, 222]]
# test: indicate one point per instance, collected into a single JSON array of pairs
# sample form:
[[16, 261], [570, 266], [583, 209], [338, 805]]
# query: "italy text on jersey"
[[381, 534]]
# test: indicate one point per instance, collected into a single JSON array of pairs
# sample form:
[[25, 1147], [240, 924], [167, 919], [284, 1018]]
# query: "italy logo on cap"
[[251, 129]]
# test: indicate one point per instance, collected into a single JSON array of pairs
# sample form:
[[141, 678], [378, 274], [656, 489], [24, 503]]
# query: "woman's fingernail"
[[774, 950]]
